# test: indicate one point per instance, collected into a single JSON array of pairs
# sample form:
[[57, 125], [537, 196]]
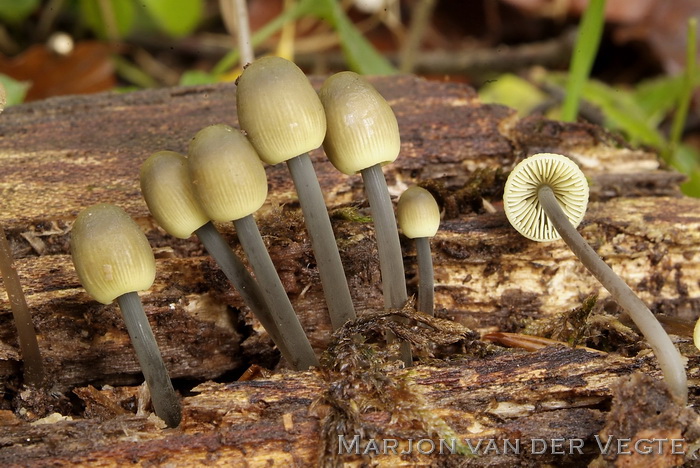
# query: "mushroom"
[[166, 187], [419, 219], [113, 260], [544, 199], [282, 116], [362, 135], [230, 183], [28, 344]]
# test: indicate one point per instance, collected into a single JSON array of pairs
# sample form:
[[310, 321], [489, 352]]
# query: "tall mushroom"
[[362, 135], [545, 198], [230, 183], [113, 260], [419, 219], [282, 116], [166, 187]]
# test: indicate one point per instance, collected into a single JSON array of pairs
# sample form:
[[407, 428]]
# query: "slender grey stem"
[[669, 358], [241, 279], [318, 224], [283, 313], [165, 401], [388, 245], [426, 285], [31, 356]]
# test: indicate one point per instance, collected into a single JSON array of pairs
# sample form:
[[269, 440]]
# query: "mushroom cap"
[[522, 205], [166, 187], [279, 110], [696, 334], [362, 130], [226, 173], [110, 253], [418, 213]]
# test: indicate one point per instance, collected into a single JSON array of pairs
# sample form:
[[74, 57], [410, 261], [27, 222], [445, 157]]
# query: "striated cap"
[[110, 253], [279, 110], [361, 127], [166, 187], [522, 205], [418, 213], [226, 173]]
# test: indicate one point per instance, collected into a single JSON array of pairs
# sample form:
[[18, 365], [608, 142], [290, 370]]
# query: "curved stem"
[[388, 245], [31, 356], [302, 355], [426, 284], [670, 360], [330, 267], [165, 401], [241, 279]]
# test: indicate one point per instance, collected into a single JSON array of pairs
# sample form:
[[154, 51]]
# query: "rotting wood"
[[61, 155]]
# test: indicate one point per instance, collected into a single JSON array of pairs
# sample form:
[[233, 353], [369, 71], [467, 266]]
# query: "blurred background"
[[642, 83]]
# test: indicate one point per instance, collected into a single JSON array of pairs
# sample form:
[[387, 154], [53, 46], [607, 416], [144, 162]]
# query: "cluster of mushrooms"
[[223, 179]]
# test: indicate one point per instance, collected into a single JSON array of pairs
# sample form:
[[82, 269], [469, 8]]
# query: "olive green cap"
[[279, 110], [166, 187], [227, 175], [520, 201], [418, 213], [361, 127], [111, 254]]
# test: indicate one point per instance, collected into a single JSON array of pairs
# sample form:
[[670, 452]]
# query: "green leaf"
[[15, 91], [362, 57], [16, 11], [512, 91], [623, 113], [121, 12], [197, 77], [585, 51], [175, 20]]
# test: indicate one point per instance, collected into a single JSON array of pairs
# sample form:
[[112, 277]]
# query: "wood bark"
[[61, 155]]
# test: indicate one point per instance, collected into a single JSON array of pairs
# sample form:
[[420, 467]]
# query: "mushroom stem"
[[330, 267], [283, 313], [240, 278], [388, 245], [31, 356], [165, 401], [670, 360], [426, 284]]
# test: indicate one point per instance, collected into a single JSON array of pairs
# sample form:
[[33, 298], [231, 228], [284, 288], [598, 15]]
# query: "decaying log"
[[61, 155]]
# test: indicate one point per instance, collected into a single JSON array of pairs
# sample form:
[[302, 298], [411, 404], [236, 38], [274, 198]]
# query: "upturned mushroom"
[[166, 187], [282, 116], [419, 219], [362, 135], [545, 198], [230, 183], [113, 260]]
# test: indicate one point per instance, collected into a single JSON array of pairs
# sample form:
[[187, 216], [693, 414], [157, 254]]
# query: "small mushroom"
[[545, 198], [419, 219], [282, 116], [113, 260], [166, 187], [230, 183], [362, 135]]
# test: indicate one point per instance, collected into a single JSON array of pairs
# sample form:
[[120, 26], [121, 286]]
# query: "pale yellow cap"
[[166, 187], [418, 213], [520, 202], [279, 110], [362, 129], [696, 334], [226, 173], [111, 254]]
